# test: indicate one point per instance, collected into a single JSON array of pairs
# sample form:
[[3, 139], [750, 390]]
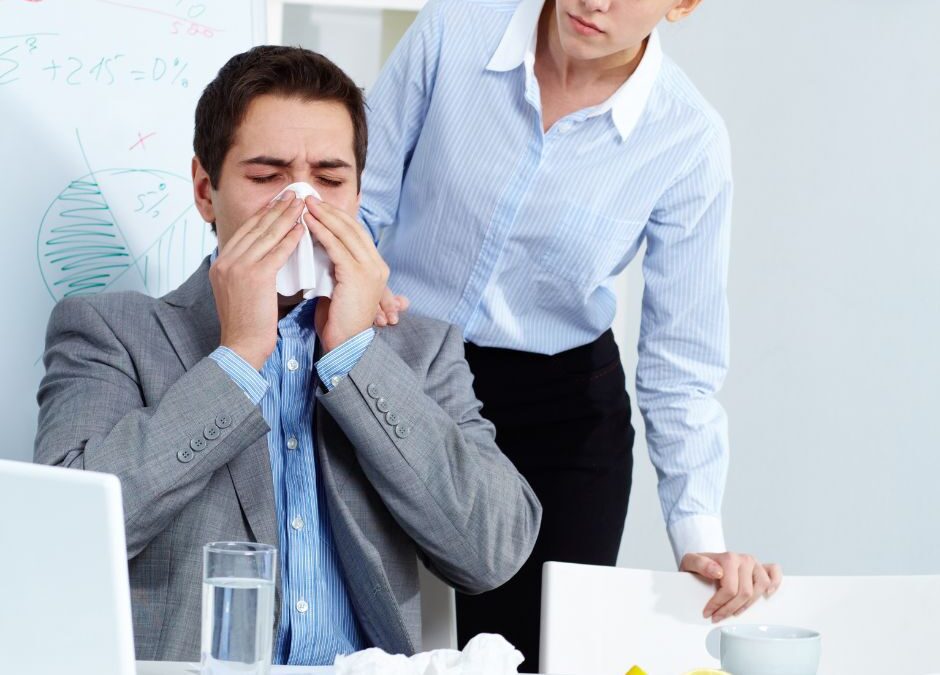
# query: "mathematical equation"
[[34, 56], [184, 18], [147, 202], [30, 57]]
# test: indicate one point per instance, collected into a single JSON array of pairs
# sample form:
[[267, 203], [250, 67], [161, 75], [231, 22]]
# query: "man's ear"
[[202, 191], [682, 9]]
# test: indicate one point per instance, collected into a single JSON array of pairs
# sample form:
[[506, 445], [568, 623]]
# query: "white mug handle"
[[713, 643]]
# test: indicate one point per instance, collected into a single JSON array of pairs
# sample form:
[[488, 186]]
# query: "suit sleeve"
[[93, 416], [436, 465]]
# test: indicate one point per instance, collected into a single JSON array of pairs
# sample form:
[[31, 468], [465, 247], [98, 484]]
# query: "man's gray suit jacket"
[[129, 390]]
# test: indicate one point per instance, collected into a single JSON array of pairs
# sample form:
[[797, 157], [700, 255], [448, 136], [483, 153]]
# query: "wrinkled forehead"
[[305, 131]]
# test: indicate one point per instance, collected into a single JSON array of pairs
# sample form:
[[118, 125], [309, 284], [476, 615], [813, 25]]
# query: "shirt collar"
[[517, 47], [300, 320], [519, 37]]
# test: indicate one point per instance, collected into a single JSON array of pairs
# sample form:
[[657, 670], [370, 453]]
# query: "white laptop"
[[65, 603]]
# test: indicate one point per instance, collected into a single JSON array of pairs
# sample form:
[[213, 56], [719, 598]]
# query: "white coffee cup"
[[761, 649]]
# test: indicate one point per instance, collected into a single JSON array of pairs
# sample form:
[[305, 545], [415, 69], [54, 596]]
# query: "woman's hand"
[[741, 581], [389, 307]]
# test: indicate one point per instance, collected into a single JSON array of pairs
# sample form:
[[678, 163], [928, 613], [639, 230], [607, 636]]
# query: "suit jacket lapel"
[[191, 321], [366, 582]]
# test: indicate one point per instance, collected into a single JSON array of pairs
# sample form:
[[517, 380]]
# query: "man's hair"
[[291, 72]]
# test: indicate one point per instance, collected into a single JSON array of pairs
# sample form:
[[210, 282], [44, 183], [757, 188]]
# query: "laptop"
[[65, 603]]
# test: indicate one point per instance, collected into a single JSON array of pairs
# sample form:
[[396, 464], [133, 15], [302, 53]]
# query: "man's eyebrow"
[[268, 161], [331, 163]]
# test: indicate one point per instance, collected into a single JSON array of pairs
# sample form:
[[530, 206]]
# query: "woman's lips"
[[583, 27]]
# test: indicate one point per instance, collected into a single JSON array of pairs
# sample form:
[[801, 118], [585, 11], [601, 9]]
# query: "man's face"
[[595, 29], [281, 141]]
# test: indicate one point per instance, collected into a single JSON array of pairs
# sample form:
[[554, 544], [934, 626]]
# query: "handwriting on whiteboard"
[[120, 228], [41, 55], [30, 60]]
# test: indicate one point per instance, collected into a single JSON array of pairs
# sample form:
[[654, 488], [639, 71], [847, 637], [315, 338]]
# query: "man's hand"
[[359, 270], [244, 279], [741, 581], [389, 307]]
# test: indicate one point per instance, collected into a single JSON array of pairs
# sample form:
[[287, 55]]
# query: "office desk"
[[184, 668]]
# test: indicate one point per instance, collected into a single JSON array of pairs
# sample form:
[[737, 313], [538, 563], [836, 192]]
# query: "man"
[[231, 413]]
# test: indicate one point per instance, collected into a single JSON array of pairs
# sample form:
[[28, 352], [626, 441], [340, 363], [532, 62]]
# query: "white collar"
[[517, 47]]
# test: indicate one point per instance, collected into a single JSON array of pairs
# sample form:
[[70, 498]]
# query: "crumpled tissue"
[[309, 268], [486, 654]]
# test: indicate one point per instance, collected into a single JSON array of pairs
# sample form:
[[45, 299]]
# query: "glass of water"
[[237, 608]]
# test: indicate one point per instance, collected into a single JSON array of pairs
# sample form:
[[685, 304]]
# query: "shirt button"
[[302, 606], [292, 365], [291, 443], [335, 380], [297, 523]]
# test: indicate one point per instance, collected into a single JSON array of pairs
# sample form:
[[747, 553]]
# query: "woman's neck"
[[573, 75]]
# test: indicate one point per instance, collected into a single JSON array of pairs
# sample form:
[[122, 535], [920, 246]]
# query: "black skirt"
[[564, 421]]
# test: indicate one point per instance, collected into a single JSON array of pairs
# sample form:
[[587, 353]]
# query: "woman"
[[520, 153]]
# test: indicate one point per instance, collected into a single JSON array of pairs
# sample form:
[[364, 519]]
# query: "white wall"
[[350, 37], [834, 112]]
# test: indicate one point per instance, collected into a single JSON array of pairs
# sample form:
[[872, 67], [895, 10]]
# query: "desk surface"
[[184, 668]]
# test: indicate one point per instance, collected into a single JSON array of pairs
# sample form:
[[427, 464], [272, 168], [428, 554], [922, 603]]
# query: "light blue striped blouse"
[[317, 619], [517, 235]]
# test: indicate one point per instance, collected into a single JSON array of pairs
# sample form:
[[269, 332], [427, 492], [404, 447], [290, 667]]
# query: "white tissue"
[[309, 268], [486, 654]]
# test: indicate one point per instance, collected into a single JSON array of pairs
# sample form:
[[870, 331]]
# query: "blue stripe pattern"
[[517, 235], [317, 620], [337, 364]]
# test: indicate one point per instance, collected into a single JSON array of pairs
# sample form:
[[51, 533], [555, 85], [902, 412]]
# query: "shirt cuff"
[[335, 365], [696, 534], [246, 377]]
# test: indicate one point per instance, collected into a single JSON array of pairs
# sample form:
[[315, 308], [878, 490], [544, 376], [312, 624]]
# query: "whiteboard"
[[97, 99]]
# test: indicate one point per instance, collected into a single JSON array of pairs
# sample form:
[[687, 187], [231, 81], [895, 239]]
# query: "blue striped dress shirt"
[[316, 616], [516, 235]]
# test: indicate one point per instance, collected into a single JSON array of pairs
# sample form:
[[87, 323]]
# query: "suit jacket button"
[[392, 418], [185, 455], [373, 391], [197, 444], [223, 421], [211, 432], [403, 431], [382, 405]]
